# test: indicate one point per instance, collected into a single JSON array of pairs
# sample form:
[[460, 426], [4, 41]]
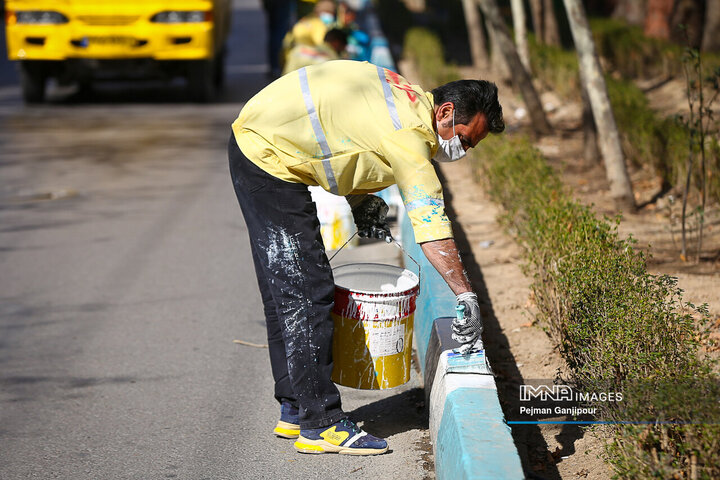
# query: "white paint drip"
[[372, 307]]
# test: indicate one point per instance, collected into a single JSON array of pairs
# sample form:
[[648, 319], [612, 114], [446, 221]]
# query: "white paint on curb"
[[445, 383]]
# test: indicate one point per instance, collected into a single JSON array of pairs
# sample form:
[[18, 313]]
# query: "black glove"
[[467, 331], [370, 217]]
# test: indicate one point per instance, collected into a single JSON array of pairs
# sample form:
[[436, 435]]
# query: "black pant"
[[296, 285]]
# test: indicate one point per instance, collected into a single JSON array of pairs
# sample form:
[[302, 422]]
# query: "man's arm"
[[444, 256]]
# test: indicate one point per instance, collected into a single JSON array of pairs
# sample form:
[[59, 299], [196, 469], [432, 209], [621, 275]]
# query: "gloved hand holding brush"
[[468, 327]]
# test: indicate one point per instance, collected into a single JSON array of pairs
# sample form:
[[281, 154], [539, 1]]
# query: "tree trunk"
[[691, 15], [591, 76], [518, 14], [551, 34], [632, 11], [591, 152], [521, 77], [711, 32], [657, 18], [537, 19], [476, 36], [497, 58]]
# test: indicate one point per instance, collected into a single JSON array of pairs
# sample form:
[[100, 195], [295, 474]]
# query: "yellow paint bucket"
[[373, 318]]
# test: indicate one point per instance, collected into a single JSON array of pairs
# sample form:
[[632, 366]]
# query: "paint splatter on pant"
[[296, 285]]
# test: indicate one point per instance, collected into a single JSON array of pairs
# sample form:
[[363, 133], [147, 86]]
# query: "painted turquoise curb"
[[474, 421], [467, 428]]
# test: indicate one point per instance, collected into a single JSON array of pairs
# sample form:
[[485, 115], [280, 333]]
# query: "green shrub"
[[424, 48], [615, 324], [637, 123], [630, 52], [556, 68], [647, 138]]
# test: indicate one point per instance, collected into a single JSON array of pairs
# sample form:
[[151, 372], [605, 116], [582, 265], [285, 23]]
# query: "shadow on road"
[[392, 415]]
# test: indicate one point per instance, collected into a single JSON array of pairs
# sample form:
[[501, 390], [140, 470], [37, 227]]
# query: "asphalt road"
[[125, 276]]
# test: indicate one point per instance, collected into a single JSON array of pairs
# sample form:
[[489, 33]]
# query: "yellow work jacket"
[[352, 128], [309, 30], [305, 55]]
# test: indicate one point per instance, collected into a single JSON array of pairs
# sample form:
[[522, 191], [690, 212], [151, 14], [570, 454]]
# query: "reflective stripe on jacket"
[[352, 128]]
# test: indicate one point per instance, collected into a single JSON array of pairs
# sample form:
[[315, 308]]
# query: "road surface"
[[125, 277]]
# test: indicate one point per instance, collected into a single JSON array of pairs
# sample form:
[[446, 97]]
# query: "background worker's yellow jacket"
[[305, 55], [309, 30], [352, 128]]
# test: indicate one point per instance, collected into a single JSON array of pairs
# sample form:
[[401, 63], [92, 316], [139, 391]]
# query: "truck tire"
[[220, 69], [201, 80], [33, 79]]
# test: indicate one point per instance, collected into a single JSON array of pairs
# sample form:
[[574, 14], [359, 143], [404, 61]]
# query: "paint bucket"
[[373, 318]]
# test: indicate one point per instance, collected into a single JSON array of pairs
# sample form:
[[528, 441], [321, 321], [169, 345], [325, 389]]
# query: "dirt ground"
[[518, 348]]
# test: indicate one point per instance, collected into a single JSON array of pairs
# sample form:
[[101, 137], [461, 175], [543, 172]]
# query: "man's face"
[[470, 134]]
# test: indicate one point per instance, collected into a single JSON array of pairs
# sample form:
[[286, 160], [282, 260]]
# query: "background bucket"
[[336, 220], [373, 317]]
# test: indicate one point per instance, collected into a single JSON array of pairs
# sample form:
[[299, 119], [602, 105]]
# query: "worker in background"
[[311, 29], [358, 47], [353, 128], [332, 48]]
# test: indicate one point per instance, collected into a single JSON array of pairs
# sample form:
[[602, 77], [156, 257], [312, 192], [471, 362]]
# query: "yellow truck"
[[82, 41]]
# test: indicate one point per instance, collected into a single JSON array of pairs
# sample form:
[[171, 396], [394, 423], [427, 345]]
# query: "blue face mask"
[[450, 150], [327, 18]]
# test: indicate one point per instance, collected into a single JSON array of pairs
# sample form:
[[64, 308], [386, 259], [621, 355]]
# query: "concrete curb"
[[467, 428]]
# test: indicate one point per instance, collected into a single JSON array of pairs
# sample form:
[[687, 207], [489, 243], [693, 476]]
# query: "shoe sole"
[[286, 430], [305, 445]]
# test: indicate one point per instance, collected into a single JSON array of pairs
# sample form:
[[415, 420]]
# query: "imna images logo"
[[546, 393], [564, 393]]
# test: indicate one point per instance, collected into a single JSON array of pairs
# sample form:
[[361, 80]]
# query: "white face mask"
[[450, 150], [327, 18]]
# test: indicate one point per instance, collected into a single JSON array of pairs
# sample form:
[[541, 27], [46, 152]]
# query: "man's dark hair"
[[471, 97], [336, 35]]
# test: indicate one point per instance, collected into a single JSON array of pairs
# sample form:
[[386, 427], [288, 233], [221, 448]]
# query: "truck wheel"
[[201, 81], [33, 78], [220, 69]]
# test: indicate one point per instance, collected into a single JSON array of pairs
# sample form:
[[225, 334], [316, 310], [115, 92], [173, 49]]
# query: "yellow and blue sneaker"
[[341, 437], [289, 424]]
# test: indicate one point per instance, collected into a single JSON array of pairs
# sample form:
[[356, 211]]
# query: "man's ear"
[[444, 111]]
